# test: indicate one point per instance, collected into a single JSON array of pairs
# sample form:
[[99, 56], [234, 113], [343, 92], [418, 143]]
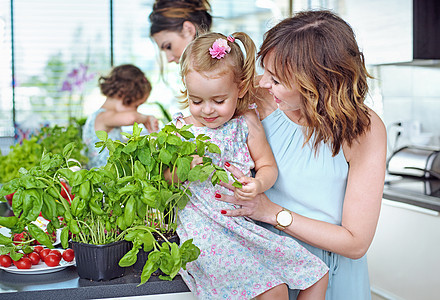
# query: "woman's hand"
[[260, 208]]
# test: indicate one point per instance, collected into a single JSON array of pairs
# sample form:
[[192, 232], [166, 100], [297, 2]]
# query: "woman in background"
[[330, 148], [175, 23]]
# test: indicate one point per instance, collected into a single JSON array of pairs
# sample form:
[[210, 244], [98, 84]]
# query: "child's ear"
[[189, 29]]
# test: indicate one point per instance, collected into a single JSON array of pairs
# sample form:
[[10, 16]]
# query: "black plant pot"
[[142, 256], [100, 262]]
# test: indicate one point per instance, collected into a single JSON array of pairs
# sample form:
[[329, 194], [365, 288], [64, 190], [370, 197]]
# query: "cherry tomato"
[[23, 263], [44, 253], [56, 252], [68, 255], [9, 198], [35, 258], [18, 237], [37, 249], [52, 260], [5, 261], [65, 194]]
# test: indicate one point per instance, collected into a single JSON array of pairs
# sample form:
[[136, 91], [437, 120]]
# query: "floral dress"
[[239, 259]]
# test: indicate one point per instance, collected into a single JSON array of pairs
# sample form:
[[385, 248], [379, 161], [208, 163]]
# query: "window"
[[56, 51]]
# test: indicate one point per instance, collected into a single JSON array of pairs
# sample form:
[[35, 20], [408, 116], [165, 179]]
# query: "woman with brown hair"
[[330, 147], [175, 23]]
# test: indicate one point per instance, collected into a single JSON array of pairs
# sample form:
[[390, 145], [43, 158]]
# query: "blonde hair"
[[316, 51], [196, 57]]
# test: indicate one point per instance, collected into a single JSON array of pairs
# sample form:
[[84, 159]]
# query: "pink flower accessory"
[[231, 38], [219, 48]]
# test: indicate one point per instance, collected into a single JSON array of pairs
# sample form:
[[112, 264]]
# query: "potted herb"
[[139, 165], [128, 200]]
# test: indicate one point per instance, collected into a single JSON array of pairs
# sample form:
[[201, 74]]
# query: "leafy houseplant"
[[29, 152], [129, 198], [139, 165]]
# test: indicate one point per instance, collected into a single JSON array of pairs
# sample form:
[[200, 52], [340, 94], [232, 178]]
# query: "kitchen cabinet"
[[396, 31], [403, 259]]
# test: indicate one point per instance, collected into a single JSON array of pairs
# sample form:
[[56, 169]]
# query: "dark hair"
[[171, 14], [127, 82], [317, 52]]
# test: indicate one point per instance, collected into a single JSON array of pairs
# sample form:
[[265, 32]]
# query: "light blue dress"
[[314, 186], [97, 159]]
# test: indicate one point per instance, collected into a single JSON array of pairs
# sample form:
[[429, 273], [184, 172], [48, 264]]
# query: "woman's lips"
[[275, 98]]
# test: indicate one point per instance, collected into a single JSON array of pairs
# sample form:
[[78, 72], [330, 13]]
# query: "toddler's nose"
[[207, 109]]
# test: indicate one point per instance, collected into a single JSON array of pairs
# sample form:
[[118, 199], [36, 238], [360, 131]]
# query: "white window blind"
[[57, 50]]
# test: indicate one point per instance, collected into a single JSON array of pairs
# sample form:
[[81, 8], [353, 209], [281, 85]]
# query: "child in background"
[[126, 87], [239, 259]]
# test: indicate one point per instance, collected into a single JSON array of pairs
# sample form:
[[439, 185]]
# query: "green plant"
[[38, 190], [28, 154], [129, 198], [139, 165]]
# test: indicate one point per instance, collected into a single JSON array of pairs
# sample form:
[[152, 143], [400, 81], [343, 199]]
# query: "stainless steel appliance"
[[415, 161]]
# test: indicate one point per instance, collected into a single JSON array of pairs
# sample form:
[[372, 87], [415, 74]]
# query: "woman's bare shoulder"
[[372, 141]]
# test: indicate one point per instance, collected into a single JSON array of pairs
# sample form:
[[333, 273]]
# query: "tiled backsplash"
[[410, 95]]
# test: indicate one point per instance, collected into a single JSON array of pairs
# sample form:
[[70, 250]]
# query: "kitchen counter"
[[420, 192], [66, 284]]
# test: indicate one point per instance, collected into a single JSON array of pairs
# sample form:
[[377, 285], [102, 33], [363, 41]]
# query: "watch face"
[[284, 218]]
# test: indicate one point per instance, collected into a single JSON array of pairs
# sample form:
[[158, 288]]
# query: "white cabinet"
[[395, 31], [404, 258]]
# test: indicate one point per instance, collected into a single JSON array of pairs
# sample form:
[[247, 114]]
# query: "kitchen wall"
[[410, 95]]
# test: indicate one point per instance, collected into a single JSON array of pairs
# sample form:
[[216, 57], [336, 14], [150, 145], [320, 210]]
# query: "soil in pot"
[[100, 262]]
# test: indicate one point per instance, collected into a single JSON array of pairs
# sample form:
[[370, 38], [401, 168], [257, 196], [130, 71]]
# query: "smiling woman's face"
[[287, 99]]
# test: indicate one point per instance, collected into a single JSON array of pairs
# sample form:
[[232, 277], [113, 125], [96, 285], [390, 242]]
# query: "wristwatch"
[[284, 218]]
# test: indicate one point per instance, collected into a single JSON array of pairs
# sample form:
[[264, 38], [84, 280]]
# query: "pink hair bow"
[[219, 48]]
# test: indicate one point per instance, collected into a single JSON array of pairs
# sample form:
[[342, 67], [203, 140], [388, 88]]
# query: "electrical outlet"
[[410, 128]]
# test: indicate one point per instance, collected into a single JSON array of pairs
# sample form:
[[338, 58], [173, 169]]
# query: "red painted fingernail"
[[223, 212], [227, 164], [218, 195]]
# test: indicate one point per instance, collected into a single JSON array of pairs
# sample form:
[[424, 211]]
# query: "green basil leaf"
[[165, 156], [102, 135]]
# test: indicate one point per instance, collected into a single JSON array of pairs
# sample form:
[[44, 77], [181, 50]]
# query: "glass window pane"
[[59, 47]]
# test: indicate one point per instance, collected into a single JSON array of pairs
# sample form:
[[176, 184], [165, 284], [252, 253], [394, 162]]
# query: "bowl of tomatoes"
[[40, 260]]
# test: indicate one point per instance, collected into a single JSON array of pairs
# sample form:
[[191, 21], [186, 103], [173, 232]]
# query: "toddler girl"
[[239, 259], [126, 87]]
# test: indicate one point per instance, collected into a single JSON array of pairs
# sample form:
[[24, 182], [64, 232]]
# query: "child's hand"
[[251, 188], [197, 160], [152, 124]]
